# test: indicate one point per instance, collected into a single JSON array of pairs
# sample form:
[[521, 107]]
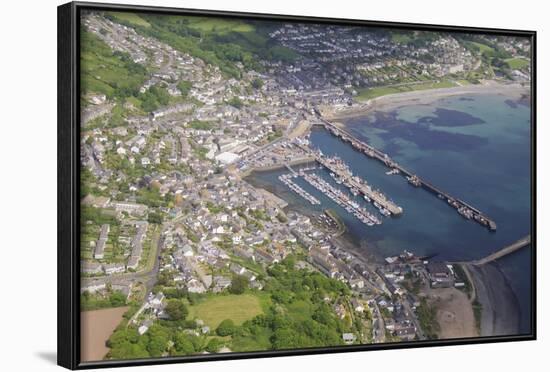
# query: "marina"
[[463, 208], [287, 180], [343, 175], [340, 198]]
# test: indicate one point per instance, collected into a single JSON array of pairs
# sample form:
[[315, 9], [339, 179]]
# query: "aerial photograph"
[[257, 185]]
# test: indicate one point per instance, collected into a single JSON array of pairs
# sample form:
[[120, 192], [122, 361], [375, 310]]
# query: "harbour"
[[463, 208], [495, 182]]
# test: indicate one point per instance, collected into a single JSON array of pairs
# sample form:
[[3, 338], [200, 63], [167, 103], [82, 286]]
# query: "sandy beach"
[[420, 97], [500, 309]]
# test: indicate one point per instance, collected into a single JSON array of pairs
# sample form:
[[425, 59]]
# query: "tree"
[[257, 83], [239, 284], [127, 350], [121, 336], [176, 309], [213, 345], [183, 344], [156, 346], [154, 218], [184, 87], [117, 299], [158, 340], [226, 328], [149, 102], [236, 102]]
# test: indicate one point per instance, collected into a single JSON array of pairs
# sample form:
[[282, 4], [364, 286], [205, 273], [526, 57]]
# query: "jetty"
[[342, 200], [463, 208], [509, 249], [287, 180], [355, 183]]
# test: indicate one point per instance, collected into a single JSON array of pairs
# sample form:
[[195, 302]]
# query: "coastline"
[[423, 97], [500, 312]]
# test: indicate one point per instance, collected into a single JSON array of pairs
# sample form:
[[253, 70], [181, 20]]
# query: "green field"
[[483, 48], [218, 26], [517, 63], [238, 308], [401, 38], [369, 93], [131, 18], [103, 71]]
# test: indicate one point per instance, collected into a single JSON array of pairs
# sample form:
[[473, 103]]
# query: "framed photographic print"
[[235, 185]]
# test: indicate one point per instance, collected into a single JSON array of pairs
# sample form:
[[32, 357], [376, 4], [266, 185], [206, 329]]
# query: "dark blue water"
[[475, 148]]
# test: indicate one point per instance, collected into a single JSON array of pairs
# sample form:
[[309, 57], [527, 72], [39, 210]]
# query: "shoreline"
[[500, 311], [424, 97]]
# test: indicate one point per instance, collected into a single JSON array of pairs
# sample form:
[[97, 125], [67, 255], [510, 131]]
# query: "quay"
[[354, 183], [509, 249], [464, 209], [342, 200], [287, 180]]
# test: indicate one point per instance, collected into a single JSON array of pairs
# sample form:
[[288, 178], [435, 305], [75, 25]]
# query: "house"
[[440, 275], [100, 244], [156, 301], [93, 287], [96, 201], [237, 269], [131, 208], [114, 268], [87, 267], [405, 332], [261, 255], [195, 286], [349, 338], [218, 229], [187, 250], [357, 306], [357, 283], [340, 310], [133, 262], [221, 283], [323, 261], [144, 327], [244, 253], [256, 285]]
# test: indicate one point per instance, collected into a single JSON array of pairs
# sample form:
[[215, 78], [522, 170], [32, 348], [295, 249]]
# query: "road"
[[412, 315], [379, 328]]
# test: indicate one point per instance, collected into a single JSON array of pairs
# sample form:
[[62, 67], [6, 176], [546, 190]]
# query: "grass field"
[[103, 72], [401, 38], [238, 308], [369, 93], [132, 18], [517, 63], [218, 25], [484, 48]]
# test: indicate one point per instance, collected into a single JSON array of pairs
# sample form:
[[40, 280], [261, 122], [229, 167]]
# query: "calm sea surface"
[[476, 148]]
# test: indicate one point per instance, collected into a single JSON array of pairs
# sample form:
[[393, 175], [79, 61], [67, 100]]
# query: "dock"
[[463, 208], [362, 187]]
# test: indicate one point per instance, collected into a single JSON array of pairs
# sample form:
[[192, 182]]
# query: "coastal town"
[[173, 128]]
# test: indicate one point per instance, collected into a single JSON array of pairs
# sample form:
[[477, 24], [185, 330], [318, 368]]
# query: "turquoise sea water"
[[476, 148]]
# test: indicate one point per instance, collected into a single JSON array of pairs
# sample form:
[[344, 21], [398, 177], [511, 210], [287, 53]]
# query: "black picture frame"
[[68, 167]]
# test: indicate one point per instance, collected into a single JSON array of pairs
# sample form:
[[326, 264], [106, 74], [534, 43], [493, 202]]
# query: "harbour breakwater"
[[463, 208]]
